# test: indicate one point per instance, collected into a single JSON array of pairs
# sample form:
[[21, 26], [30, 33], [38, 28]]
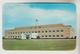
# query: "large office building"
[[41, 31]]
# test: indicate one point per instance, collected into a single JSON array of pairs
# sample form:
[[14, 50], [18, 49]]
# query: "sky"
[[25, 14]]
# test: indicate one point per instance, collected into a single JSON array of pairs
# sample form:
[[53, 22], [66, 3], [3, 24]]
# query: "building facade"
[[43, 31]]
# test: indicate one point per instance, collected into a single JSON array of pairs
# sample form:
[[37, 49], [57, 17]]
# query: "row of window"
[[52, 36], [36, 27], [14, 36], [36, 31], [42, 36]]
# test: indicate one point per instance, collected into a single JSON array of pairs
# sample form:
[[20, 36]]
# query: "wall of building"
[[46, 31]]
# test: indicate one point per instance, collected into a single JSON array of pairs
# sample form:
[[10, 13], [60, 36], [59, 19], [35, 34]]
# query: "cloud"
[[36, 12], [24, 13]]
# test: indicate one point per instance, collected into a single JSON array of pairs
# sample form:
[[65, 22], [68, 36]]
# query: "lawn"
[[40, 44]]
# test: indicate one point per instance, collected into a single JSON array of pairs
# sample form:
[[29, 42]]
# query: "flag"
[[36, 20]]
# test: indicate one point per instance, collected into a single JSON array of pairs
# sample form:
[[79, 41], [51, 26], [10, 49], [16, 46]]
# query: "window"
[[61, 35], [53, 35], [42, 31], [29, 32], [13, 32], [57, 35], [38, 31], [57, 30], [21, 32], [42, 36], [13, 36], [61, 30], [18, 36], [32, 31], [45, 35], [49, 35], [35, 31], [18, 32], [39, 27], [10, 36], [45, 31], [49, 30], [53, 30]]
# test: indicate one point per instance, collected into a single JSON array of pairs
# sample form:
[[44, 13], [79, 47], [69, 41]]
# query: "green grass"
[[40, 44]]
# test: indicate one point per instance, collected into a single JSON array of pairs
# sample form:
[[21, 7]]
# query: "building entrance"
[[27, 36]]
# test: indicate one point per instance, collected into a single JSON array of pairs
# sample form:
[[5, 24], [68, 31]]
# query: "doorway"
[[27, 36]]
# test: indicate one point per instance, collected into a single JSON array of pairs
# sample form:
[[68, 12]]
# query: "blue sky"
[[25, 14]]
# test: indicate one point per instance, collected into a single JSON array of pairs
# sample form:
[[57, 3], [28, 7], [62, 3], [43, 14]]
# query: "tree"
[[3, 37]]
